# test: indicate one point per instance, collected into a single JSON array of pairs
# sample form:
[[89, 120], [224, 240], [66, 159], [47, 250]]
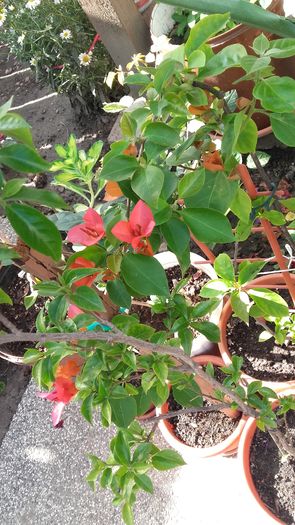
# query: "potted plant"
[[265, 493], [221, 430], [170, 184]]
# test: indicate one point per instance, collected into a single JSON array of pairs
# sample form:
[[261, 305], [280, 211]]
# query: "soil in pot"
[[273, 475], [266, 361], [14, 378], [202, 430], [190, 291]]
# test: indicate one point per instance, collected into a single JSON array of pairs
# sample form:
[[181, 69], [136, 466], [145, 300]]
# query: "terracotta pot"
[[274, 279], [244, 465], [149, 413], [226, 447], [167, 259]]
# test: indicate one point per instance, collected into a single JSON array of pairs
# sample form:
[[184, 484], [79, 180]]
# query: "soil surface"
[[190, 291], [14, 377], [265, 361], [273, 476], [201, 429]]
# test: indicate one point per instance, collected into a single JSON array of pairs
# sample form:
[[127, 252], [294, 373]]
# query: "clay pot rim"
[[168, 433], [244, 459], [224, 318]]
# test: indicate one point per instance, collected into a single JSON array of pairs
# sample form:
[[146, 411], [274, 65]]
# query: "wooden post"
[[122, 28]]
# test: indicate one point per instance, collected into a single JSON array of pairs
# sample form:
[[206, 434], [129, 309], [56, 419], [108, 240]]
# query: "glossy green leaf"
[[167, 459], [281, 48], [240, 303], [276, 94], [57, 309], [12, 187], [162, 134], [203, 30], [249, 270], [191, 183], [35, 229], [283, 126], [228, 57], [241, 205], [124, 411], [216, 193], [119, 168], [144, 482], [208, 225], [87, 299], [270, 303], [147, 183], [121, 449], [209, 330], [145, 275], [4, 298], [20, 157], [118, 293], [224, 267], [48, 198], [14, 125]]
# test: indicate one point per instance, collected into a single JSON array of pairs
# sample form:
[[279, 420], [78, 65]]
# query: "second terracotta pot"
[[226, 447]]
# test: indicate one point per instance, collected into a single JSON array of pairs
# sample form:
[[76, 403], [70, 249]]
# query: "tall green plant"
[[241, 11]]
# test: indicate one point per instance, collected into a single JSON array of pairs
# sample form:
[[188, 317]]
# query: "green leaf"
[[35, 229], [203, 30], [12, 187], [162, 134], [119, 168], [276, 94], [31, 356], [248, 271], [191, 183], [167, 459], [124, 411], [208, 225], [87, 299], [289, 203], [241, 205], [208, 329], [144, 482], [128, 125], [283, 126], [176, 235], [164, 72], [275, 217], [161, 371], [196, 59], [20, 157], [121, 449], [144, 275], [48, 198], [281, 48], [224, 267], [14, 125], [261, 44], [5, 108], [6, 254], [247, 134], [228, 57], [127, 514], [4, 298], [214, 288], [147, 183], [87, 408], [118, 293], [240, 303], [47, 288], [217, 193], [57, 309], [270, 303], [243, 230]]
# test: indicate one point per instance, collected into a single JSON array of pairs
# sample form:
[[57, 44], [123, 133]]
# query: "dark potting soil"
[[265, 361], [201, 429], [273, 475], [190, 291], [14, 378]]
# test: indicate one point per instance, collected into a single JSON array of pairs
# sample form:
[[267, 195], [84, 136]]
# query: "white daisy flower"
[[56, 2], [65, 34], [11, 8], [21, 38], [2, 17], [85, 58], [32, 4], [33, 62]]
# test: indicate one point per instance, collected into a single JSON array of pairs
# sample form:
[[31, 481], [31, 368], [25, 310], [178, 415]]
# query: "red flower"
[[64, 390], [139, 226], [88, 233], [80, 262], [73, 311]]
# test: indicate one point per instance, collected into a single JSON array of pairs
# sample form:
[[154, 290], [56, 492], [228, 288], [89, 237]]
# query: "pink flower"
[[89, 232], [73, 311], [139, 226], [64, 390], [80, 262]]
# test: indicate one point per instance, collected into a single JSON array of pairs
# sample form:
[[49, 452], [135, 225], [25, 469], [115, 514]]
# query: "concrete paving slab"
[[42, 473]]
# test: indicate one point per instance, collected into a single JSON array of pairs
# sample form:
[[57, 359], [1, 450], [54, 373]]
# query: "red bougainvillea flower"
[[139, 226], [213, 161], [69, 366], [63, 391], [80, 262], [89, 232], [73, 311]]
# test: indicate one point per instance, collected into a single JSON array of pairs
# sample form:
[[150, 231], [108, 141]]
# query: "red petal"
[[73, 311], [94, 220], [57, 413], [78, 235], [123, 231], [80, 262], [141, 215]]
